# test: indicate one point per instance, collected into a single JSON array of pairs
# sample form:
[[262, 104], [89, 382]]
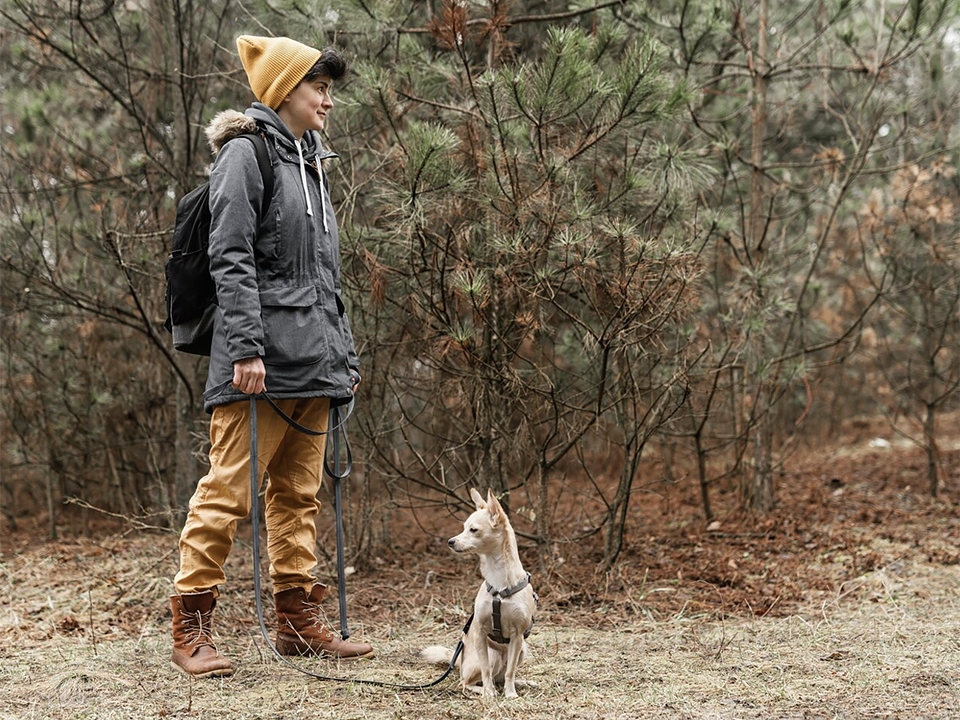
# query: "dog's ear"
[[495, 508], [477, 499]]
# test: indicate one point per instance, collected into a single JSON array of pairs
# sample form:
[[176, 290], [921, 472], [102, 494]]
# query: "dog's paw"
[[486, 693]]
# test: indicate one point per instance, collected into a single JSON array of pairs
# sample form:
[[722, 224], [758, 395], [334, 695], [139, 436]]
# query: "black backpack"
[[191, 296]]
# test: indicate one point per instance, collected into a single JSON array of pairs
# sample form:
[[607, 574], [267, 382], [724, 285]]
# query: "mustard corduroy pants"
[[294, 462]]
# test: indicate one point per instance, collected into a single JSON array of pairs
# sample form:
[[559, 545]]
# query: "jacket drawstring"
[[303, 180], [323, 194]]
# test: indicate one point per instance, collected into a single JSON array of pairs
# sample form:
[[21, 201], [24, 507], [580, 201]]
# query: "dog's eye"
[[474, 530]]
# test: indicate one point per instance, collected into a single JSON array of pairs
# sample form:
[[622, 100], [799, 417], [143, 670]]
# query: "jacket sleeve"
[[236, 190], [353, 359]]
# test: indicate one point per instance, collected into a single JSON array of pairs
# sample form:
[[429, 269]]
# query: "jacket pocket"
[[275, 246], [292, 326]]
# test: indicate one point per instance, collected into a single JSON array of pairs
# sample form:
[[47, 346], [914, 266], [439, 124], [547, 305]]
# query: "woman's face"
[[307, 106]]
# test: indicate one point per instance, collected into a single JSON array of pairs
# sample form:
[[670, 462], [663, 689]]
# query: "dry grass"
[[84, 629]]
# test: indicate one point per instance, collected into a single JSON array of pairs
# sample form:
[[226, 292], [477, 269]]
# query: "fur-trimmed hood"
[[227, 125]]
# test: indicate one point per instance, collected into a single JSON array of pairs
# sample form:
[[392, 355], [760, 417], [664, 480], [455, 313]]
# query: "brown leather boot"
[[194, 651], [301, 631]]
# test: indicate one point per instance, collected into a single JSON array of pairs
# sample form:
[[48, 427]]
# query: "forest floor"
[[843, 603]]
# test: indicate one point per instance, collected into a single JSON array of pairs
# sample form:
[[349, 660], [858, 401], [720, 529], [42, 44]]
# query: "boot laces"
[[199, 629], [317, 615]]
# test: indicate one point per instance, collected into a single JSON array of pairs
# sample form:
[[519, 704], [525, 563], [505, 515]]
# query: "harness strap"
[[498, 595], [510, 590], [497, 634]]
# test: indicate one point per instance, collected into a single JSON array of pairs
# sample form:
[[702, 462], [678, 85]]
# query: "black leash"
[[334, 427], [338, 505]]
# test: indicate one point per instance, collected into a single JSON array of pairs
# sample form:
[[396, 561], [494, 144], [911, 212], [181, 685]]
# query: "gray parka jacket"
[[278, 288]]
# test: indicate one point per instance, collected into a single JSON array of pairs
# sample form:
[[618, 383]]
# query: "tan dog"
[[503, 611]]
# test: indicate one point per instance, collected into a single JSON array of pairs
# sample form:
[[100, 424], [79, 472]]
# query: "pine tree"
[[531, 245]]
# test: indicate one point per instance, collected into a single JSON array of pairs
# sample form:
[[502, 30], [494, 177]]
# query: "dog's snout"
[[452, 542]]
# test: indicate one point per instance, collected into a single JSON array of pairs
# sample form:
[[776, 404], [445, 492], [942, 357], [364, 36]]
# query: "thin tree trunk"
[[737, 393], [698, 430], [702, 470], [759, 111], [760, 491], [541, 522], [185, 461], [51, 476], [929, 438], [617, 515], [116, 483], [760, 488], [51, 507]]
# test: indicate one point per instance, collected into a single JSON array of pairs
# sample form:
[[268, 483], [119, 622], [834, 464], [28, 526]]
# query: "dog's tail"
[[436, 655]]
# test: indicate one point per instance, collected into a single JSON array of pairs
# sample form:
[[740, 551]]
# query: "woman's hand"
[[249, 376]]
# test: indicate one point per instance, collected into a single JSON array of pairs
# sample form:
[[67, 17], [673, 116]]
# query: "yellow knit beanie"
[[274, 65]]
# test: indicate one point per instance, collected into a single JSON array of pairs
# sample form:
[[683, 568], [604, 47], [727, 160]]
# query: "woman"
[[280, 326]]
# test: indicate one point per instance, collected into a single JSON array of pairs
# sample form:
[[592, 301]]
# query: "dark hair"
[[331, 63]]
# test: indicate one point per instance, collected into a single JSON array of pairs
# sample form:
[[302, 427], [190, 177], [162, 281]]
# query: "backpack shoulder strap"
[[266, 170]]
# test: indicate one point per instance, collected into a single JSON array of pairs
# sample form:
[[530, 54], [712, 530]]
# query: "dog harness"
[[498, 597]]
